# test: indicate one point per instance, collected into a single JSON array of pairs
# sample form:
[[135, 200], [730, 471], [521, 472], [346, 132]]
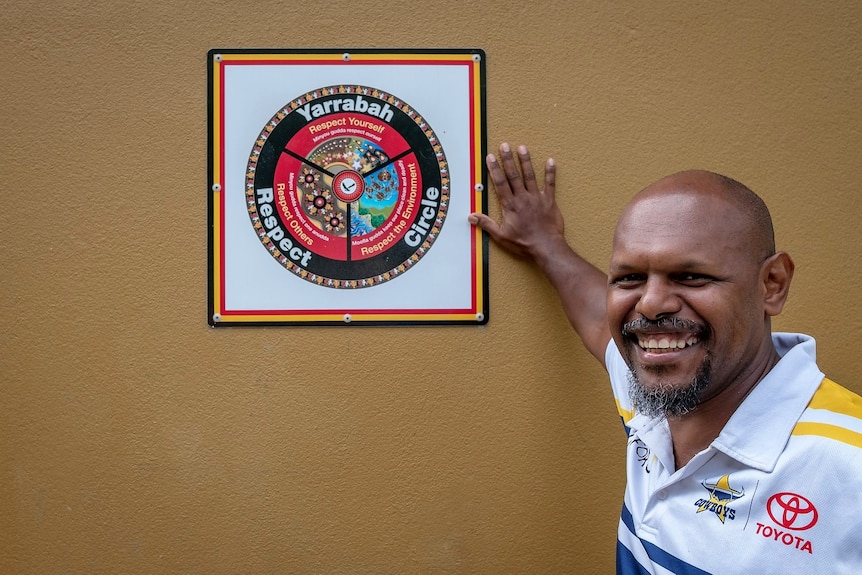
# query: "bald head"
[[695, 195]]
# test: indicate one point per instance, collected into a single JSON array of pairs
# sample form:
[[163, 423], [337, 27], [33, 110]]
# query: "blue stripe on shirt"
[[626, 427], [626, 562], [628, 565]]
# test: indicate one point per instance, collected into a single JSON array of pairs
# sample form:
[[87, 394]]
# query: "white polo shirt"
[[778, 491]]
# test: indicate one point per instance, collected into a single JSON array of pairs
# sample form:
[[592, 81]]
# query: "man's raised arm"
[[532, 227]]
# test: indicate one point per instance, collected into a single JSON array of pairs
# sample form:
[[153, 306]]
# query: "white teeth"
[[667, 343]]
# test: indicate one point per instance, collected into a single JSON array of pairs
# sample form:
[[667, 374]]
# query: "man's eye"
[[694, 279], [627, 280]]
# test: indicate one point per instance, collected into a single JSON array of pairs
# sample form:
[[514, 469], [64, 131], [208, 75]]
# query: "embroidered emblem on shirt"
[[642, 453], [720, 494]]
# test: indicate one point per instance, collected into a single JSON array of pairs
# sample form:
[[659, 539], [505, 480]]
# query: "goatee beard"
[[665, 400]]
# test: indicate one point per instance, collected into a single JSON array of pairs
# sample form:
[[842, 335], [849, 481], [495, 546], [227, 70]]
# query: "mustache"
[[643, 324]]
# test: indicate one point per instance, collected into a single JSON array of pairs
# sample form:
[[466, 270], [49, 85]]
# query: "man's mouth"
[[666, 342], [663, 335]]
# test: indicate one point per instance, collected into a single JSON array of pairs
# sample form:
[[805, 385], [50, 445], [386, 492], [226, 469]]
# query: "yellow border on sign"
[[215, 196], [346, 56], [478, 186], [222, 316]]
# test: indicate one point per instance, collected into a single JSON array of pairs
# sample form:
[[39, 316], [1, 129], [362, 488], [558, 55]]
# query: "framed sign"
[[339, 187]]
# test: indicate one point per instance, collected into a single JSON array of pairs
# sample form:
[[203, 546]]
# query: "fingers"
[[511, 169], [550, 178], [485, 223], [513, 175], [501, 182], [527, 168]]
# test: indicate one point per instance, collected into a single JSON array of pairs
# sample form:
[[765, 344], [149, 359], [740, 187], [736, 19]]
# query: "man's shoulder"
[[834, 414]]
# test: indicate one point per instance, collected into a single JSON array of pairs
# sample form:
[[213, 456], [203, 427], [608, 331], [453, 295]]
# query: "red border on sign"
[[476, 313]]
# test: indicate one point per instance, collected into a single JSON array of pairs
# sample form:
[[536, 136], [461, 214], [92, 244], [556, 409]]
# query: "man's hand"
[[532, 226], [531, 218]]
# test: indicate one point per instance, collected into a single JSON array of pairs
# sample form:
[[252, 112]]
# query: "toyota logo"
[[792, 511]]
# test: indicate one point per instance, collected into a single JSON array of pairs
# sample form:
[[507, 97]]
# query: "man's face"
[[683, 299]]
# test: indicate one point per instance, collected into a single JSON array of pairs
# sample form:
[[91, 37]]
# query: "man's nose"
[[658, 299]]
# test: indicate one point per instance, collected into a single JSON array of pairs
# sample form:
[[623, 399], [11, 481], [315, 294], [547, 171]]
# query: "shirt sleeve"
[[618, 372]]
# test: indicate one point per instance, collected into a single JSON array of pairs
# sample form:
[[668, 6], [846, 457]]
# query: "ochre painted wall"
[[135, 439]]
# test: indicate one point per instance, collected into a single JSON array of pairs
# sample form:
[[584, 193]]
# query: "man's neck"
[[695, 431]]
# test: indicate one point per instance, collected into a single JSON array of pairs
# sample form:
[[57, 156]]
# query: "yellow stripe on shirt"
[[624, 413], [830, 431], [832, 397]]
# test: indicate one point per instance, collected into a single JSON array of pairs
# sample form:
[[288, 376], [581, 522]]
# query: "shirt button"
[[662, 494]]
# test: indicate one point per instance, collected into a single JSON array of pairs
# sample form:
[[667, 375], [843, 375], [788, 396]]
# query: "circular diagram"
[[347, 186]]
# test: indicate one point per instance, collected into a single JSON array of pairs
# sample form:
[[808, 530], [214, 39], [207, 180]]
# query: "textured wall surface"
[[135, 439]]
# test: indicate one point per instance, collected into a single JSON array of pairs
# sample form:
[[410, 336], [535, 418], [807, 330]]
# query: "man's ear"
[[776, 273]]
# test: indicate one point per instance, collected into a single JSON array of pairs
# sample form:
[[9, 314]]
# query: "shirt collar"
[[759, 429]]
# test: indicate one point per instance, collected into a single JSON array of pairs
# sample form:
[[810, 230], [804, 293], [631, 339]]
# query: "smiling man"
[[736, 440]]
